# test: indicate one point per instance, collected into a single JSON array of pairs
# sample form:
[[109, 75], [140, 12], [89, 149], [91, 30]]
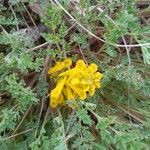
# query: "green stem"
[[63, 127]]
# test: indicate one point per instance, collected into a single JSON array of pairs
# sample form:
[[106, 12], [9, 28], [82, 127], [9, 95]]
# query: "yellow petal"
[[54, 102], [60, 65], [78, 69], [70, 95], [75, 81], [79, 91], [61, 99], [91, 90], [85, 88], [92, 68], [67, 62], [84, 82], [80, 64], [98, 85], [55, 96], [66, 73], [65, 92], [98, 75]]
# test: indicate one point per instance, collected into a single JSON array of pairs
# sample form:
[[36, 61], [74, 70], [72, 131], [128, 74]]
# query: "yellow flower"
[[60, 65], [74, 83]]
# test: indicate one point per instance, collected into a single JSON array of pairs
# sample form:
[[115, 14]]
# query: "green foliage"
[[24, 96], [8, 21], [83, 116], [9, 119], [54, 21], [80, 39], [116, 117], [18, 41], [77, 125], [145, 52], [57, 139]]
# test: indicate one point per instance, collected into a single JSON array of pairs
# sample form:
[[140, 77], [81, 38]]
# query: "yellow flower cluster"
[[78, 82]]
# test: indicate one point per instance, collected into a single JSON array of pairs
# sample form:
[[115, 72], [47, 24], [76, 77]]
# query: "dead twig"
[[38, 47], [12, 136], [26, 113], [14, 15], [43, 75]]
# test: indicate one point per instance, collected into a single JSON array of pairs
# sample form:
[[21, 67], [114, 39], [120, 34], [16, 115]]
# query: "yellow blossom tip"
[[92, 68], [80, 63], [60, 65], [75, 81]]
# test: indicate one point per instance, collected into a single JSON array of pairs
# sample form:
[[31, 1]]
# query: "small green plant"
[[114, 35]]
